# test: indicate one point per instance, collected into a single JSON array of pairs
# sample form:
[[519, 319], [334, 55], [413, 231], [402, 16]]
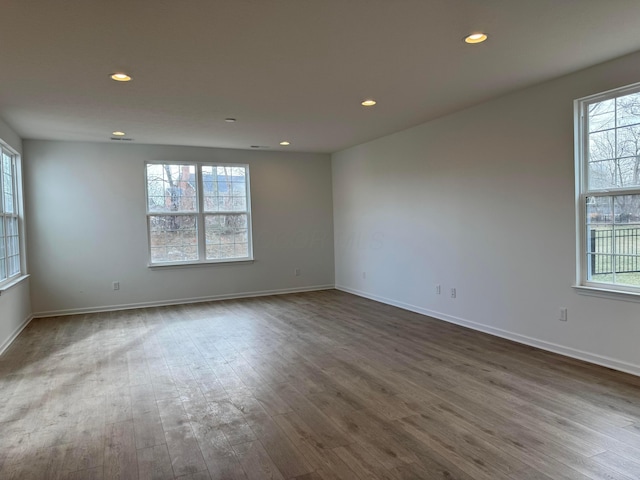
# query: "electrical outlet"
[[453, 293], [563, 315], [116, 285], [296, 272], [438, 290]]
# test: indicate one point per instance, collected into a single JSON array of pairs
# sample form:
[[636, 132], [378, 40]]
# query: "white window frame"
[[16, 187], [200, 215], [582, 191]]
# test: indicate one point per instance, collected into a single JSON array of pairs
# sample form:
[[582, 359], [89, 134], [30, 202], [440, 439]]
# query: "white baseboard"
[[516, 337], [15, 334], [179, 301]]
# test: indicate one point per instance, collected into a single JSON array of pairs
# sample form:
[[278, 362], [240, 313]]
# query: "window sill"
[[611, 294], [161, 266], [13, 283]]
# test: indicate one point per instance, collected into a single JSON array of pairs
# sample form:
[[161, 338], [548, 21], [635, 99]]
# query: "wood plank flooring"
[[314, 386]]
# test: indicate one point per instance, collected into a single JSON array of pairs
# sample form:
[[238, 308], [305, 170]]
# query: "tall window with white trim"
[[608, 184], [198, 213], [10, 263]]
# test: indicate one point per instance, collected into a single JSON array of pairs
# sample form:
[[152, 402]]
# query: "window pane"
[[630, 279], [599, 210], [613, 239], [627, 139], [224, 188], [614, 143], [603, 174], [173, 238], [3, 253], [626, 264], [171, 188], [600, 238], [626, 208], [227, 236], [600, 268], [628, 109], [628, 172], [627, 239], [13, 246], [602, 145], [7, 184], [602, 115]]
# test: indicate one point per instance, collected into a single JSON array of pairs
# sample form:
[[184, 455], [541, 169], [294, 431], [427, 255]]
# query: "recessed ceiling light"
[[118, 134], [475, 38], [284, 143], [120, 77], [369, 102], [230, 120]]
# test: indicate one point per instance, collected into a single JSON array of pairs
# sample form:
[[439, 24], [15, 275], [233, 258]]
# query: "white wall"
[[15, 305], [86, 222], [15, 312], [483, 201]]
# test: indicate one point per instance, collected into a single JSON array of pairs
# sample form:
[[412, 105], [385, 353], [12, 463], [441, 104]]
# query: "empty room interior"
[[315, 240]]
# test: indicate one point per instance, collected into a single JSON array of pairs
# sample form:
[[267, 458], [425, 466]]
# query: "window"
[[10, 263], [198, 213], [608, 185]]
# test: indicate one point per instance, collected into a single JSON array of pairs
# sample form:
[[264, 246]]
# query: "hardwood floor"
[[314, 386]]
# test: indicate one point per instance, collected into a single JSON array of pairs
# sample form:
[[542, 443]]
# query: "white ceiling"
[[286, 69]]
